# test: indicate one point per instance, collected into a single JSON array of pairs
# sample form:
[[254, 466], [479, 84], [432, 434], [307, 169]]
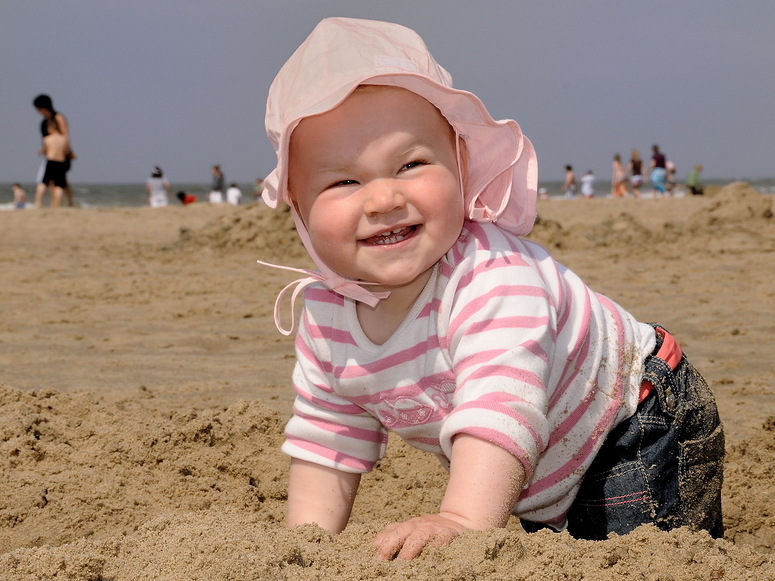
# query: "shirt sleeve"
[[326, 428], [501, 339]]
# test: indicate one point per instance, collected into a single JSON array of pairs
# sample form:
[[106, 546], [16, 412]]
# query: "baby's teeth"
[[390, 237]]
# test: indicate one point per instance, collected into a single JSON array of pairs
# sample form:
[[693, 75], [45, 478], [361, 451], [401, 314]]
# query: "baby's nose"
[[383, 197]]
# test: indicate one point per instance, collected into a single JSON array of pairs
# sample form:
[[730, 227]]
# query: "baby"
[[19, 196], [431, 317], [56, 147]]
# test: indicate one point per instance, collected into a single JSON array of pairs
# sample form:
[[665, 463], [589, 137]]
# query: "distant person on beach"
[[670, 178], [618, 178], [19, 196], [185, 198], [233, 195], [432, 318], [216, 190], [56, 148], [658, 171], [635, 169], [693, 181], [588, 184], [158, 189], [257, 189], [570, 182], [45, 107]]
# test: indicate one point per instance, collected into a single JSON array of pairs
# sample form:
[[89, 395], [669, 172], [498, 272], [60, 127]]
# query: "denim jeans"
[[662, 465]]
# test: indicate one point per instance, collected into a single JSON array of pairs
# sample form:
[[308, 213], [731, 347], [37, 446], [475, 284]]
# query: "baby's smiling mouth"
[[391, 237]]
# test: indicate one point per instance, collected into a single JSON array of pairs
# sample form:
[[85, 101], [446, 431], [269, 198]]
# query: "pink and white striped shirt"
[[504, 344]]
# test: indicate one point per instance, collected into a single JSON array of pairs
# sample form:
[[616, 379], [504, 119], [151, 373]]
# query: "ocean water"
[[128, 195], [115, 195]]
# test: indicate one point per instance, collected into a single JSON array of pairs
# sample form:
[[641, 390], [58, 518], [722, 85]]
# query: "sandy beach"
[[144, 390]]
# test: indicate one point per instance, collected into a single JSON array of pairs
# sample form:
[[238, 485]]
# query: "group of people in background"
[[159, 190], [58, 155], [216, 195], [661, 175]]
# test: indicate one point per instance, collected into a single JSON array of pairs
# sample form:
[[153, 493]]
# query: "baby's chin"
[[399, 282]]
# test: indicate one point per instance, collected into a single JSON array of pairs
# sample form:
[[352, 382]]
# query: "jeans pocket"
[[700, 476]]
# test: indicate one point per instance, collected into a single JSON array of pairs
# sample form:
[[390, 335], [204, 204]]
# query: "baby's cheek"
[[324, 224], [330, 232]]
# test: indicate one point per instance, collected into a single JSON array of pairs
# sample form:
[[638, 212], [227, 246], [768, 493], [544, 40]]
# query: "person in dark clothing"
[[45, 107]]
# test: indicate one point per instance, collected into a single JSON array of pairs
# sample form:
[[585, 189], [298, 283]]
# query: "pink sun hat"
[[342, 53]]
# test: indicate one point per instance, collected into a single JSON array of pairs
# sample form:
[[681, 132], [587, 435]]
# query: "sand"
[[144, 389]]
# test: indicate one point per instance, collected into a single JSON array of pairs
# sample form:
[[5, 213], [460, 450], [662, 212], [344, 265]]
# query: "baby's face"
[[376, 182]]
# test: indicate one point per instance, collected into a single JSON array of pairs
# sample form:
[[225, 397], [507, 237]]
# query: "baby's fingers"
[[420, 538], [390, 540], [408, 539], [415, 543]]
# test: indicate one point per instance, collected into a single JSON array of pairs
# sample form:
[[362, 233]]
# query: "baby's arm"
[[485, 481], [321, 495]]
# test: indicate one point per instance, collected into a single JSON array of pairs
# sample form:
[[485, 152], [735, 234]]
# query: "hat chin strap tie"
[[482, 214], [335, 282], [332, 280]]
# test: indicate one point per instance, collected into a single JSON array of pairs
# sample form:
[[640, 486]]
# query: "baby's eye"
[[341, 183], [415, 163]]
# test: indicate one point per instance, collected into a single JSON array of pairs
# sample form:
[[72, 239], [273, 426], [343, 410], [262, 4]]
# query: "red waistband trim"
[[670, 352]]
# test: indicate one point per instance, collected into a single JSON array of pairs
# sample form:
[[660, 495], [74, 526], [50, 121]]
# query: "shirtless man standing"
[[570, 182], [56, 147]]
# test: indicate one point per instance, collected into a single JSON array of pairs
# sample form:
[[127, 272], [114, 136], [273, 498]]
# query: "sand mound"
[[740, 212], [271, 233], [736, 203], [736, 219], [73, 468], [623, 230]]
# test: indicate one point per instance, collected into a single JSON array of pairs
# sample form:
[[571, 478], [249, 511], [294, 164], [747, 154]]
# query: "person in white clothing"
[[587, 180], [233, 195], [431, 317], [158, 189]]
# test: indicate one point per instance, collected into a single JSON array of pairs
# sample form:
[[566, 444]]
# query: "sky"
[[182, 83]]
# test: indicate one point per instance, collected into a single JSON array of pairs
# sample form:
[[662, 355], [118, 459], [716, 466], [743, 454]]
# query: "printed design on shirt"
[[407, 411]]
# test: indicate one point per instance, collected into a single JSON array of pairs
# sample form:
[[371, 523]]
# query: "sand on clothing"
[[144, 390]]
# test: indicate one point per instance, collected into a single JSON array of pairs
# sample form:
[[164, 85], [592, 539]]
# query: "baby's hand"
[[407, 539]]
